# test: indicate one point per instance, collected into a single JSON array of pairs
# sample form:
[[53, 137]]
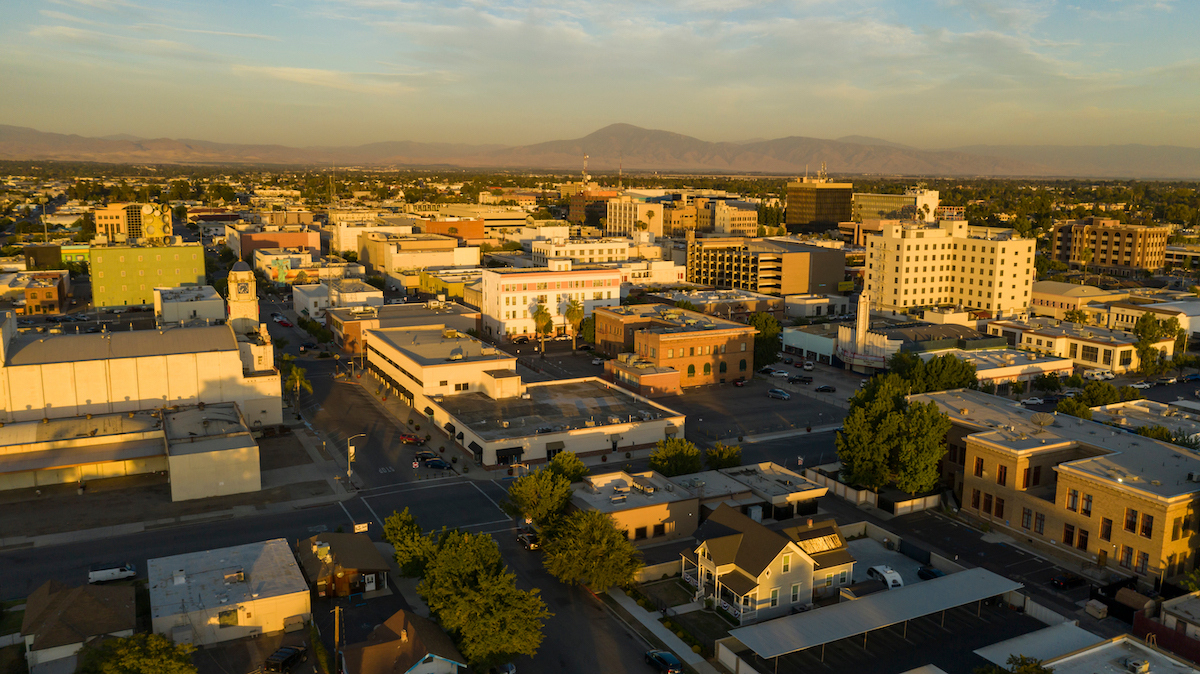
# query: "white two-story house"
[[756, 574]]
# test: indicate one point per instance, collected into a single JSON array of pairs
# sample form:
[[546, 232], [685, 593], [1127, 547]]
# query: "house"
[[339, 565], [406, 643], [755, 573], [60, 620]]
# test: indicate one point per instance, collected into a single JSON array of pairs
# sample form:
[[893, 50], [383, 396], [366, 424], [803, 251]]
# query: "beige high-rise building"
[[1109, 246], [913, 265], [624, 214]]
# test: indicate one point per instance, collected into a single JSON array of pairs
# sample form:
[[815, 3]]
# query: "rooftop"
[[1043, 644], [187, 294], [575, 269], [437, 346], [559, 405], [1131, 462], [997, 358], [706, 296], [613, 492], [668, 319], [399, 315], [194, 430], [774, 483], [1071, 289], [353, 285], [209, 579], [1050, 327], [1110, 657], [37, 349], [1134, 413]]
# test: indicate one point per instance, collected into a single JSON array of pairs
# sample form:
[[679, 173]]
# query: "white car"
[[886, 574], [1033, 401], [808, 365], [1142, 385], [597, 361], [780, 373]]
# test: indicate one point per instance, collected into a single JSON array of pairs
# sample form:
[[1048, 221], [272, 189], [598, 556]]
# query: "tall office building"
[[767, 266], [815, 204], [1109, 246], [922, 205]]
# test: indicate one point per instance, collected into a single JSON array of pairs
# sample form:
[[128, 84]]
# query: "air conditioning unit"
[[1137, 666]]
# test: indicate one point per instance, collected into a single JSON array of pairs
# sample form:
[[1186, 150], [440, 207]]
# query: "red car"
[[798, 363], [739, 382], [410, 439], [286, 324]]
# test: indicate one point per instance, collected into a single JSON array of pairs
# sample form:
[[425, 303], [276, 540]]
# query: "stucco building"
[[1110, 246], [768, 266], [512, 295], [1088, 346], [126, 275]]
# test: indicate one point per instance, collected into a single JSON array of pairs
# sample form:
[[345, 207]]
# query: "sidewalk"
[[649, 619]]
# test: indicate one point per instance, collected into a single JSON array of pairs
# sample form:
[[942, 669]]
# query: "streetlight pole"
[[350, 459]]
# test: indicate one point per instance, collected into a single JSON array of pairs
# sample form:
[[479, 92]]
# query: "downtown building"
[[511, 295], [816, 205], [1109, 246], [767, 266]]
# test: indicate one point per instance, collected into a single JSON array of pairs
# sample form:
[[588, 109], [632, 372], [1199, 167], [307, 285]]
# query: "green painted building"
[[124, 275]]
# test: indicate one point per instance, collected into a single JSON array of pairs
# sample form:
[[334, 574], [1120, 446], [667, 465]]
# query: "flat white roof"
[[204, 581], [1043, 644], [1110, 658], [804, 630]]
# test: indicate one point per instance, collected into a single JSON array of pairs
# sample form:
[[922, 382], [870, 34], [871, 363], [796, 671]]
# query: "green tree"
[[540, 496], [574, 316], [1182, 361], [684, 304], [869, 430], [941, 373], [766, 342], [413, 547], [1017, 664], [1098, 393], [675, 456], [1076, 316], [1073, 407], [137, 654], [1017, 387], [1129, 393], [1047, 383], [587, 330], [1150, 331], [588, 548], [569, 465], [297, 381], [921, 446], [1176, 437], [543, 323], [722, 455], [1075, 381], [476, 599]]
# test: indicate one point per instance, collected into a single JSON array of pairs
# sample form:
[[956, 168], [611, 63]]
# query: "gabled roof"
[[823, 541], [349, 551], [398, 644], [60, 615], [733, 538]]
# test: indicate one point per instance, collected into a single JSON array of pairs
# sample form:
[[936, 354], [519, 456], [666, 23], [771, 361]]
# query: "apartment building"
[[511, 295], [726, 217], [913, 264], [732, 304], [126, 275], [815, 204], [699, 349], [1089, 346], [767, 266], [1109, 246], [126, 222], [390, 254], [580, 251], [1074, 489], [627, 215]]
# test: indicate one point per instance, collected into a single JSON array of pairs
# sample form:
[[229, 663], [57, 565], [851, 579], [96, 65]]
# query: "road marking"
[[387, 469], [348, 515], [320, 528], [484, 524], [455, 480], [499, 531], [373, 514], [476, 485]]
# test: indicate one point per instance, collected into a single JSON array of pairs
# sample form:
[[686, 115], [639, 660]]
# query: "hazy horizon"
[[934, 74]]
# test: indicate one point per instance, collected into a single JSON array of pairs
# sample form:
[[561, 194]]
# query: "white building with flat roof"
[[1087, 345], [212, 596], [511, 295], [185, 304], [579, 251]]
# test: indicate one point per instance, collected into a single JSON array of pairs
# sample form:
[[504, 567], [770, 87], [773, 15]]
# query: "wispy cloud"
[[366, 83], [108, 42], [103, 5], [198, 31]]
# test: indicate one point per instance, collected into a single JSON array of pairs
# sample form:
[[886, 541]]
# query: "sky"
[[927, 73]]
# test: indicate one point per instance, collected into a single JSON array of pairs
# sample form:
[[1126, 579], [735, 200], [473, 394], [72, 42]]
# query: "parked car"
[[809, 365], [285, 324], [767, 370], [1143, 385], [308, 345], [278, 316], [1166, 381], [597, 361], [1195, 376], [797, 379], [409, 439], [798, 363], [779, 394], [1033, 401], [739, 382], [787, 361], [285, 659], [887, 574], [664, 662], [437, 464], [520, 340], [825, 388], [425, 455], [102, 573], [584, 347], [779, 373], [1067, 580], [529, 540], [929, 573]]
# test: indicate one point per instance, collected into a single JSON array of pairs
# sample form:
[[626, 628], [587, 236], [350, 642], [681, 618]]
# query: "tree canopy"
[[940, 373], [569, 465], [675, 456], [540, 496], [722, 455], [413, 548], [588, 548], [137, 654], [1017, 664], [766, 342], [1073, 407]]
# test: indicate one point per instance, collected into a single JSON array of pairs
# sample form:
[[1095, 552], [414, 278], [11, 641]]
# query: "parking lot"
[[869, 552]]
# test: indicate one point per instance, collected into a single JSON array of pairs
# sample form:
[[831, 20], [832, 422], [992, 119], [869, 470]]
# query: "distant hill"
[[637, 149]]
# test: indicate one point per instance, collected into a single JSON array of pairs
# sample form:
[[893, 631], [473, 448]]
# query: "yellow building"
[[1109, 246], [120, 222]]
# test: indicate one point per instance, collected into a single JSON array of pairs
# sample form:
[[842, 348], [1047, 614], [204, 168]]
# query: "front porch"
[[735, 593]]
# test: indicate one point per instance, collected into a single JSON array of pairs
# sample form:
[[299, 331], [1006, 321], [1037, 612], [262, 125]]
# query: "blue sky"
[[933, 73]]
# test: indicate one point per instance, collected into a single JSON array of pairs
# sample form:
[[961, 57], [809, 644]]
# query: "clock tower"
[[243, 299]]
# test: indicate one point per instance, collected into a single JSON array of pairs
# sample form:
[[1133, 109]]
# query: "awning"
[[557, 444], [460, 435], [449, 428], [428, 410], [672, 428], [474, 447], [514, 452]]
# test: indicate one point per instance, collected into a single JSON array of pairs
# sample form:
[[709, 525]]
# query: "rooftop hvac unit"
[[619, 498], [1137, 666]]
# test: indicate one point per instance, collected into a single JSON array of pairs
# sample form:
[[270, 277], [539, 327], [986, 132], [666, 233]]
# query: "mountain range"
[[636, 149]]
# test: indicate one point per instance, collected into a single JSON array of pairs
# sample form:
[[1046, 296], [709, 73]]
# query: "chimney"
[[404, 635]]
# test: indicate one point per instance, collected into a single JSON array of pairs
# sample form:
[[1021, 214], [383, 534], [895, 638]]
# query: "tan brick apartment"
[[1114, 248], [766, 266], [702, 349], [1072, 488]]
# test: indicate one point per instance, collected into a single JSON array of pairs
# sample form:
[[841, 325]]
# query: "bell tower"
[[243, 299]]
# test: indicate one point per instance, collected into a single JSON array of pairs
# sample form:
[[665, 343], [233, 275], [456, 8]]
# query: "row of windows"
[[142, 272], [397, 366], [560, 285], [157, 258], [954, 246]]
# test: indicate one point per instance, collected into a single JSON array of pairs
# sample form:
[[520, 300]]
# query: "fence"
[[729, 652], [819, 475], [653, 572], [1172, 640]]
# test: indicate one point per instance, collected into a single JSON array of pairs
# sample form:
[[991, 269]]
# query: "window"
[[1090, 354], [691, 370], [1147, 525], [1131, 520], [461, 387], [1086, 510], [722, 367], [639, 533], [1039, 523], [1073, 500], [707, 369], [660, 530], [842, 578], [1143, 560], [670, 353], [1083, 540], [1126, 559], [787, 563], [1068, 534], [742, 364], [978, 466], [1037, 475], [228, 618], [975, 499], [1002, 475], [795, 592], [999, 507], [743, 346], [691, 350], [829, 580], [774, 597], [1025, 479], [987, 503], [1026, 518], [1176, 528], [1106, 529]]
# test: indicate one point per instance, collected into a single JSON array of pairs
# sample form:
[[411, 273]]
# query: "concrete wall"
[[264, 615], [41, 478], [33, 658], [653, 572], [728, 650], [205, 474]]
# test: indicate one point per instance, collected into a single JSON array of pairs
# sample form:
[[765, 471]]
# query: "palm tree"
[[542, 322], [296, 382], [574, 316], [281, 343]]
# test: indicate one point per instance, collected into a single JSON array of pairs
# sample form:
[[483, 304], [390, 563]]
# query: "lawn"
[[673, 592], [706, 626]]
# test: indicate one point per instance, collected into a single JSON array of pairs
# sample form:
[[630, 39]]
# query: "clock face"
[[243, 288]]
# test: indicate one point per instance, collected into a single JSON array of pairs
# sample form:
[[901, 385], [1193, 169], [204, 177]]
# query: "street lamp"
[[350, 459]]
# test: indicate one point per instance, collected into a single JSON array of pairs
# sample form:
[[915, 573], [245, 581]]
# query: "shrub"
[[696, 648], [681, 634]]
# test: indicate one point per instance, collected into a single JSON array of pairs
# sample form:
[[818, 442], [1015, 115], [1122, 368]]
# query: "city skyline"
[[932, 74]]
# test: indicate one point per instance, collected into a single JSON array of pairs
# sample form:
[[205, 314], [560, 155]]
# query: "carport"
[[782, 636]]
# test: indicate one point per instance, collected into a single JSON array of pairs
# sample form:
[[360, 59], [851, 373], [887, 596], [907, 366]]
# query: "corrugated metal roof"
[[831, 623], [124, 344]]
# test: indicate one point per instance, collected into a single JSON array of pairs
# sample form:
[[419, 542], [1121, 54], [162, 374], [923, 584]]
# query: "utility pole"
[[350, 460], [337, 638]]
